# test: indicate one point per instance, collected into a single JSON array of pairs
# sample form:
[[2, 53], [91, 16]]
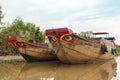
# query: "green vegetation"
[[118, 50], [24, 30], [87, 34], [1, 15], [9, 62]]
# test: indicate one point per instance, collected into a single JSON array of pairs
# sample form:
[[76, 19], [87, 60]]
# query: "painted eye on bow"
[[68, 38]]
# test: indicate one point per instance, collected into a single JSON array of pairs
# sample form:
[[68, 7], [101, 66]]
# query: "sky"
[[78, 15]]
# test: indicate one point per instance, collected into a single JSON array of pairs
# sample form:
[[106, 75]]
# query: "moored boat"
[[72, 48], [33, 52]]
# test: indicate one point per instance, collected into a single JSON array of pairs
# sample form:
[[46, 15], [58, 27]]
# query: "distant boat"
[[33, 52], [72, 48]]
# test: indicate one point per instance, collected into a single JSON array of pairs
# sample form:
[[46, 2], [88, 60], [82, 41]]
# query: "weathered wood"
[[31, 51], [37, 53], [71, 48]]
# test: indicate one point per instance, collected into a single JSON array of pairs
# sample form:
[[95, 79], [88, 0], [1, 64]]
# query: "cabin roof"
[[58, 31], [99, 33], [110, 38]]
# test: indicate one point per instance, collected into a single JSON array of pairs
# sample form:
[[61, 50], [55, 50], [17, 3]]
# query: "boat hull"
[[80, 52], [31, 53], [75, 48]]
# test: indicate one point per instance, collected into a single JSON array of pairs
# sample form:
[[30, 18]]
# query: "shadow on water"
[[54, 70]]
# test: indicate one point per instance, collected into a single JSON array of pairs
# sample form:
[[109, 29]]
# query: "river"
[[117, 77], [55, 70]]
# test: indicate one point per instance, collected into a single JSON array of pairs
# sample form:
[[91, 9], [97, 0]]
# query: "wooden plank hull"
[[73, 48], [33, 51], [80, 52], [38, 53]]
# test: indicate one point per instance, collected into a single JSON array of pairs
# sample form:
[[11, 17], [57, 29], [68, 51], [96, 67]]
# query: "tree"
[[1, 15], [118, 50], [18, 28], [25, 31], [39, 36], [87, 34]]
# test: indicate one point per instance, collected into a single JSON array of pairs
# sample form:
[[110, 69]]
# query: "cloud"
[[44, 9], [107, 24], [65, 3], [79, 15]]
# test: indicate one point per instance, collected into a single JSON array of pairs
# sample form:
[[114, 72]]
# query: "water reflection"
[[39, 71], [54, 70], [10, 71], [58, 71]]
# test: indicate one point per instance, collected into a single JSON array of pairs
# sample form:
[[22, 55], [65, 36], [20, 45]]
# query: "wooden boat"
[[72, 48], [33, 52]]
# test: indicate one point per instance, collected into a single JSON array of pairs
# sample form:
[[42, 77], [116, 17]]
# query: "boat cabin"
[[58, 32], [97, 37]]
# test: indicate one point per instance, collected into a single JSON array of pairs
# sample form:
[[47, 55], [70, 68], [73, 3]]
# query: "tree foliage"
[[1, 15], [25, 31], [118, 49], [87, 34], [18, 28]]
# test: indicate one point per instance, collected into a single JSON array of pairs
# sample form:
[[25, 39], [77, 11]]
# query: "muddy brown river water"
[[55, 70]]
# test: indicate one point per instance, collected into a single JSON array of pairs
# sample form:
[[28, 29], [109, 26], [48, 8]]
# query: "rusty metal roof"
[[99, 33]]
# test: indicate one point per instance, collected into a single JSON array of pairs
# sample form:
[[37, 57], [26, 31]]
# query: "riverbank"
[[19, 57], [11, 58]]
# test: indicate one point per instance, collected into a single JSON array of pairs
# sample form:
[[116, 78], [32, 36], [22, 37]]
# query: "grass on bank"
[[117, 54], [14, 62]]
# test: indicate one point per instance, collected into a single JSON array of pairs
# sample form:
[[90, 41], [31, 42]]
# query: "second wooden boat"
[[33, 52], [71, 48]]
